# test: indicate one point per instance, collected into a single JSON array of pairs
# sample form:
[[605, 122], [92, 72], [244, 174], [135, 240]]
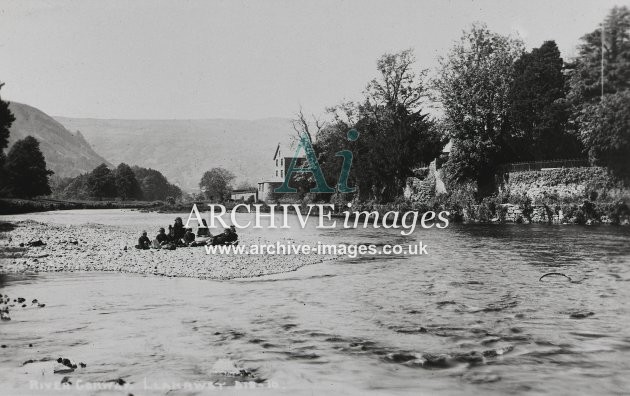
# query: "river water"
[[471, 317]]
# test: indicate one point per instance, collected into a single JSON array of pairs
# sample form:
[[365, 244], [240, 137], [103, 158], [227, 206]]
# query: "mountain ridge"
[[67, 154], [184, 149]]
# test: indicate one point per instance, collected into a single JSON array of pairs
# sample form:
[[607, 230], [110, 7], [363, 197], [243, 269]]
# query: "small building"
[[249, 194], [282, 158]]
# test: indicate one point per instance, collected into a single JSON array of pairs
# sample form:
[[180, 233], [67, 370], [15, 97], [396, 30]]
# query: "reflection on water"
[[472, 317]]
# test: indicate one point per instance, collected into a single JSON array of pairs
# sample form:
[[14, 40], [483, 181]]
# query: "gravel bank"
[[97, 247]]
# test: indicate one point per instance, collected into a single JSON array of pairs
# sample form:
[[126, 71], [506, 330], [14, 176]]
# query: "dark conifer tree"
[[6, 119], [538, 111], [102, 183], [25, 168], [127, 186]]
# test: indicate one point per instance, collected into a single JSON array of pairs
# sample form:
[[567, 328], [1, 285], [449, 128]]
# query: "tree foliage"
[[473, 86], [605, 130], [127, 186], [75, 188], [538, 111], [25, 170], [6, 119], [394, 134], [601, 122], [102, 182], [154, 185], [216, 184], [585, 81], [124, 182]]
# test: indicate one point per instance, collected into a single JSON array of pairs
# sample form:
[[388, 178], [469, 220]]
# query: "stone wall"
[[540, 214], [566, 185]]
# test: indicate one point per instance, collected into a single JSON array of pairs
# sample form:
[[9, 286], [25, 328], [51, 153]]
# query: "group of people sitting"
[[178, 236]]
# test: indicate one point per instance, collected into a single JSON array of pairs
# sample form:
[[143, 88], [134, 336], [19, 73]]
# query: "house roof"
[[287, 149]]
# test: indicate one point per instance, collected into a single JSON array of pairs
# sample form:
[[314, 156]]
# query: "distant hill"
[[67, 154], [184, 149]]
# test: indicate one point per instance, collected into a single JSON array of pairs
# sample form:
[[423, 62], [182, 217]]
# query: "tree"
[[215, 183], [78, 188], [26, 171], [127, 186], [6, 119], [102, 182], [606, 132], [394, 133], [600, 106], [473, 87], [154, 185], [537, 107], [585, 80]]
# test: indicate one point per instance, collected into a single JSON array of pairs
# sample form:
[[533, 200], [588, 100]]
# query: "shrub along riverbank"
[[581, 195], [584, 195], [17, 206]]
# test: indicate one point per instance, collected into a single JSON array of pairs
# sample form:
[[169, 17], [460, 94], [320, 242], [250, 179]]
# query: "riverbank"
[[10, 206], [99, 247]]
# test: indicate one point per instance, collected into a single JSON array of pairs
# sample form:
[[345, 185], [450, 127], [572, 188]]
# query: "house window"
[[281, 173], [282, 161], [276, 173], [276, 164]]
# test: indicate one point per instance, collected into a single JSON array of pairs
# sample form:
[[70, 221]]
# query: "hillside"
[[67, 154], [184, 149]]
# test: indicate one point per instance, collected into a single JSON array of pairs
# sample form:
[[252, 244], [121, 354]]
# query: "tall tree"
[[613, 37], [25, 170], [127, 186], [78, 188], [102, 182], [606, 132], [395, 134], [6, 119], [537, 107], [599, 105], [154, 185], [215, 183], [473, 86]]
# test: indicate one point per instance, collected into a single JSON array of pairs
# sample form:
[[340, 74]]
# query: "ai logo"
[[313, 167]]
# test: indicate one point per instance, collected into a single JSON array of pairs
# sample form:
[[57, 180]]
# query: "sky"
[[243, 59]]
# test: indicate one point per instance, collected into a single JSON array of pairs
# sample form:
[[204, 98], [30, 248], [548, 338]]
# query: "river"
[[471, 317]]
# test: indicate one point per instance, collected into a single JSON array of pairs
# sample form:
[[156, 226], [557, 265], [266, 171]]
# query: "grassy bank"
[[17, 206]]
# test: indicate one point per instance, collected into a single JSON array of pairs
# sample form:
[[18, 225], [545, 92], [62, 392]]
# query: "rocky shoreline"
[[97, 247]]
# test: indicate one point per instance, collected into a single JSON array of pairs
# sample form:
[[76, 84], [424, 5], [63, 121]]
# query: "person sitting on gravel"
[[178, 229], [219, 239], [232, 237], [189, 236], [204, 236], [228, 237], [160, 240], [161, 237], [203, 231], [143, 242]]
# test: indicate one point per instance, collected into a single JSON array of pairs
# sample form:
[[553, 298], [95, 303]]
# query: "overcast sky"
[[241, 59]]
